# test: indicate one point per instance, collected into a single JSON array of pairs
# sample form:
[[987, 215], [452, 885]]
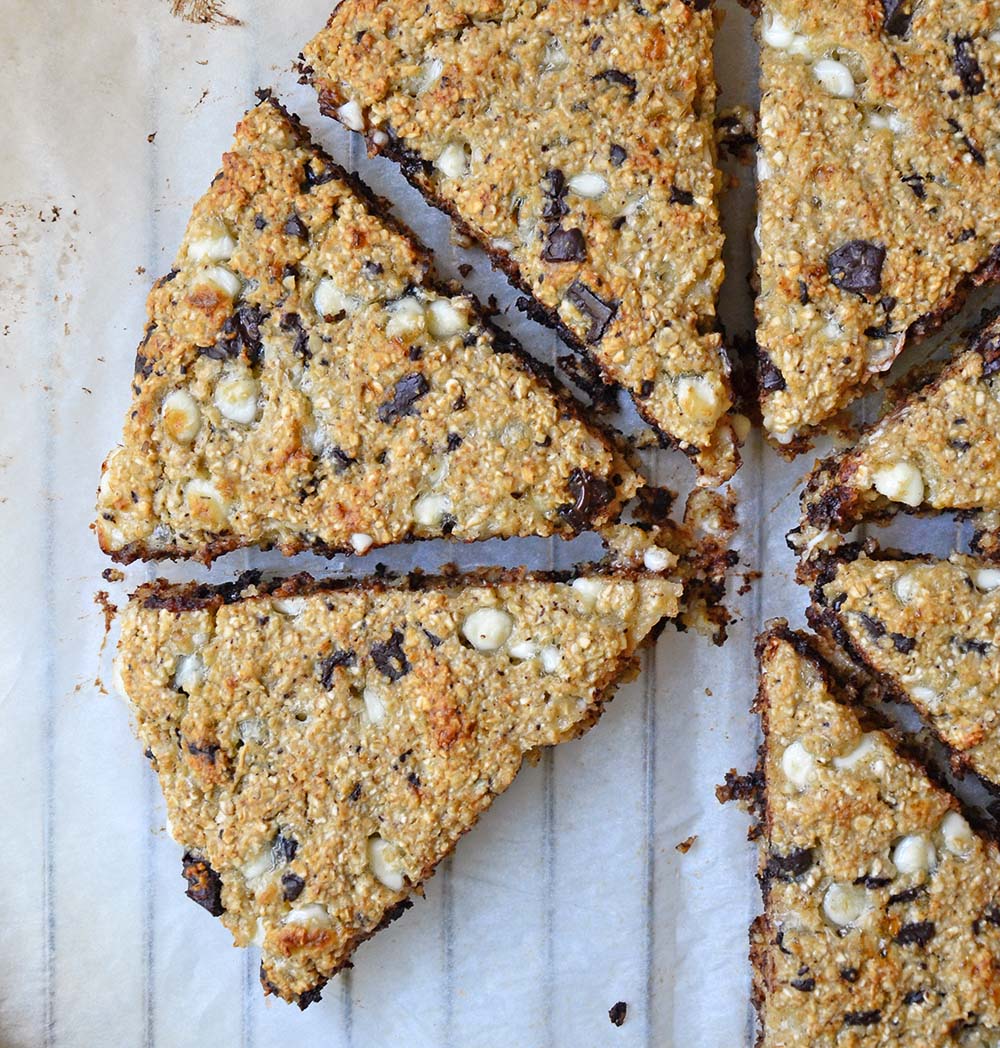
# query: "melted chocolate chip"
[[590, 495], [967, 66], [143, 364], [857, 267], [805, 985], [617, 1012], [976, 155], [918, 933], [616, 76], [204, 884], [311, 178], [770, 376], [240, 335], [555, 193], [600, 312], [788, 867], [862, 1018], [681, 196], [565, 245], [293, 322], [407, 391], [327, 667], [295, 227], [291, 886], [897, 15], [372, 269], [873, 626], [617, 156], [389, 657]]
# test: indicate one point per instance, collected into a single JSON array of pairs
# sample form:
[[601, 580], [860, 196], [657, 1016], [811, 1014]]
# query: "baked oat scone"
[[878, 170], [323, 746], [938, 448], [930, 631], [576, 144], [881, 921], [304, 383]]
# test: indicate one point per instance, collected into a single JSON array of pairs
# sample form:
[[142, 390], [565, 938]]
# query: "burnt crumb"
[[857, 267], [259, 222], [617, 155], [454, 442], [914, 997], [204, 884], [284, 847], [919, 933], [916, 183], [407, 391], [966, 645], [617, 1012], [681, 196], [327, 667], [565, 245], [601, 313], [769, 375], [805, 985], [555, 195], [113, 575], [896, 16], [590, 495], [849, 974], [736, 133], [292, 322], [862, 1018], [291, 886], [967, 66], [788, 867], [901, 898], [240, 336], [616, 76], [389, 657]]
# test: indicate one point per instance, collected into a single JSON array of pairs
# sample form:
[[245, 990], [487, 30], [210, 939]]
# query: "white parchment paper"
[[571, 894]]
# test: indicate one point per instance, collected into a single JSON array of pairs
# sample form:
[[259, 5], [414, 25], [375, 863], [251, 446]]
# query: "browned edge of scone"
[[177, 598], [503, 342], [415, 168]]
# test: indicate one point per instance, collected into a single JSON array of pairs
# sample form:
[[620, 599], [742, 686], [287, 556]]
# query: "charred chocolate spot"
[[616, 76], [328, 666], [805, 985], [919, 933], [291, 886], [240, 335], [967, 66], [857, 267], [204, 884], [770, 376], [407, 391], [601, 313], [617, 1012], [590, 495], [389, 657], [681, 196], [293, 322], [617, 156], [565, 245], [295, 227], [897, 15], [862, 1018], [555, 194], [788, 867]]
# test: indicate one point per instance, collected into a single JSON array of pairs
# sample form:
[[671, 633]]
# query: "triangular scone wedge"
[[323, 746], [878, 174], [937, 449], [576, 144], [881, 921], [303, 383], [930, 631]]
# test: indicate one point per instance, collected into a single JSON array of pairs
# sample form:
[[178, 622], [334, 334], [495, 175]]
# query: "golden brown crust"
[[304, 384]]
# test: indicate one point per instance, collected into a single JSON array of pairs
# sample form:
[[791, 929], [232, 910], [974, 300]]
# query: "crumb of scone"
[[617, 1013], [685, 845]]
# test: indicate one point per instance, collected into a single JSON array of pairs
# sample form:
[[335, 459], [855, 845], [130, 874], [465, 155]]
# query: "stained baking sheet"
[[571, 895]]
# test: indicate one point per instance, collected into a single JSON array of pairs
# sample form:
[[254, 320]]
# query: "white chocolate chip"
[[383, 861], [330, 300], [927, 697], [798, 764], [957, 834], [697, 397], [900, 483], [487, 628], [205, 504], [224, 280], [764, 171], [589, 591], [843, 904], [854, 757], [835, 77], [181, 416], [406, 318], [374, 705], [188, 673], [453, 161], [217, 248], [554, 56], [117, 681], [361, 543], [311, 913], [236, 396], [260, 930], [906, 587], [587, 184], [777, 32], [914, 854], [429, 510], [986, 579], [524, 650], [350, 115], [429, 74], [258, 865], [289, 605], [444, 320], [551, 658], [656, 559], [252, 729]]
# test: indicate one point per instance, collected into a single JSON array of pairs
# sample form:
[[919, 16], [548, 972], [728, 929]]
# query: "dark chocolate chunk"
[[143, 364], [873, 626], [565, 245], [240, 335], [312, 178], [590, 495], [916, 183], [967, 644], [291, 886], [903, 897], [862, 1018], [617, 1011], [355, 793], [327, 667], [873, 882], [342, 459], [295, 227], [803, 292], [904, 645], [259, 222], [372, 269], [857, 267], [204, 884], [601, 313], [616, 76], [967, 66], [918, 933], [284, 847], [788, 867], [209, 750], [976, 155], [407, 391], [914, 997], [555, 195], [389, 657], [897, 15], [681, 196], [454, 441], [849, 974], [770, 376], [433, 638], [617, 155], [805, 985], [293, 322]]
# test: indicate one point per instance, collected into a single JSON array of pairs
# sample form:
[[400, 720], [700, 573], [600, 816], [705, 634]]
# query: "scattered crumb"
[[151, 137], [103, 601], [685, 846], [113, 575], [708, 692], [465, 269], [84, 388], [749, 578], [459, 239], [736, 133], [140, 270], [203, 12], [616, 1013]]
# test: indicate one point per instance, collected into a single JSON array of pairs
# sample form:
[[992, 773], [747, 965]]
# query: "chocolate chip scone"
[[576, 144], [878, 172], [930, 631], [881, 921], [304, 383], [938, 448], [322, 746]]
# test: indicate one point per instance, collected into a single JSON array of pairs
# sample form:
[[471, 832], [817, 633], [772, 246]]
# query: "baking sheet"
[[571, 894]]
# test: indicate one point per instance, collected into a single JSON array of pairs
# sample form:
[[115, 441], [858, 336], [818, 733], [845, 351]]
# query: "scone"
[[305, 384], [323, 745], [576, 144]]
